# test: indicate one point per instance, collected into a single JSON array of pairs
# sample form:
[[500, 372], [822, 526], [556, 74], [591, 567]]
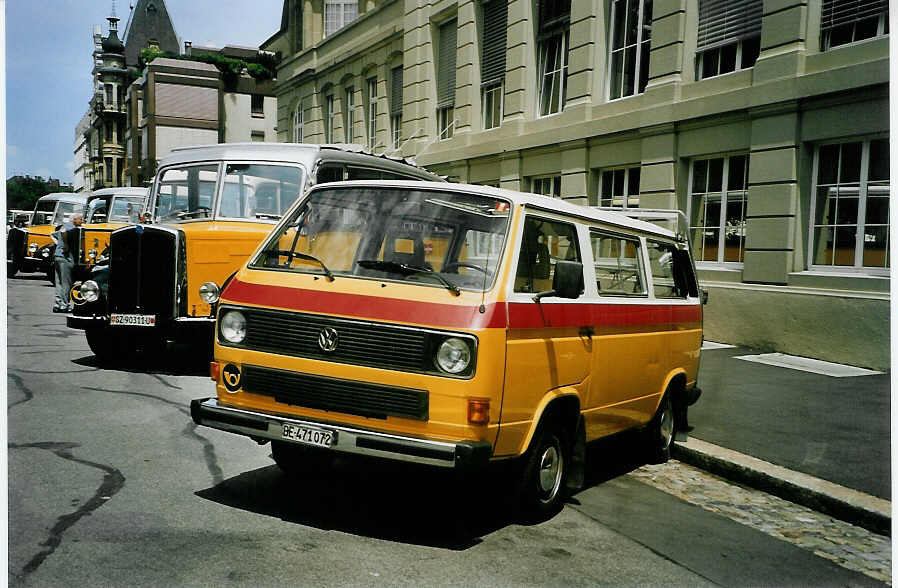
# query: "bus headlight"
[[32, 248], [90, 291], [45, 253], [210, 292], [453, 356], [232, 326], [92, 254]]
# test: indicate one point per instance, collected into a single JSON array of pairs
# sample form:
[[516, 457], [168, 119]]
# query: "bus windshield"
[[390, 233]]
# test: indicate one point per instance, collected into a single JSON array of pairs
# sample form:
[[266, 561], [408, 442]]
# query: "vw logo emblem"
[[327, 338]]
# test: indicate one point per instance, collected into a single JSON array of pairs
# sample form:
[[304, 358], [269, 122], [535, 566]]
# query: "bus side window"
[[671, 271], [330, 173], [618, 271]]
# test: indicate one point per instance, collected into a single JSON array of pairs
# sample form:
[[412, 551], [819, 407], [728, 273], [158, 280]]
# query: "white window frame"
[[826, 35], [348, 11], [863, 190], [329, 118], [700, 60], [490, 96], [546, 185], [721, 222], [446, 121], [371, 84], [548, 79], [640, 27], [396, 130], [349, 114], [298, 123], [626, 195]]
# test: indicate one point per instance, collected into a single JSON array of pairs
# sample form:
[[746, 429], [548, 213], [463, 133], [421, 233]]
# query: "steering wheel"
[[458, 264]]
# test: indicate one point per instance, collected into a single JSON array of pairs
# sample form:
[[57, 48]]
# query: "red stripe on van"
[[534, 316], [367, 307]]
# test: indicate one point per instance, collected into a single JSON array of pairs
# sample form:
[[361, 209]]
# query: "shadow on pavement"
[[403, 503], [176, 360]]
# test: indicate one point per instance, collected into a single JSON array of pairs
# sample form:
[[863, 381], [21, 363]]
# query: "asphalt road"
[[110, 483]]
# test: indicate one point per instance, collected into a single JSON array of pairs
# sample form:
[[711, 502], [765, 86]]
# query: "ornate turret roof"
[[112, 44], [149, 20]]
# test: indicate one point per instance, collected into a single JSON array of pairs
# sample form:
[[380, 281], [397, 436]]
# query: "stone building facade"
[[764, 121]]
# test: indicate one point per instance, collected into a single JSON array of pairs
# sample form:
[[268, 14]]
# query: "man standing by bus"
[[64, 261]]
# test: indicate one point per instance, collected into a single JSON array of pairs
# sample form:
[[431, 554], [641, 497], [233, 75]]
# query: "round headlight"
[[453, 356], [92, 254], [210, 293], [90, 291], [45, 252], [32, 247], [232, 326]]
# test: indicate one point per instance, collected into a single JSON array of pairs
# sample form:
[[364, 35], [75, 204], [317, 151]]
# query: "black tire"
[[51, 273], [108, 346], [660, 432], [297, 460], [12, 268], [542, 489]]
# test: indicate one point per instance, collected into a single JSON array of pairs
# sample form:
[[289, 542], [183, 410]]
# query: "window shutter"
[[396, 91], [724, 21], [840, 12], [495, 31], [446, 70]]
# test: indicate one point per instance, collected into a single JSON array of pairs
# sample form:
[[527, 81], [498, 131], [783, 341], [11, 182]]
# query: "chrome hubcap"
[[550, 472]]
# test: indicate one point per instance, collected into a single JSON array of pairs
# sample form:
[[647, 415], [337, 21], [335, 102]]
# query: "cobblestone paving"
[[849, 546]]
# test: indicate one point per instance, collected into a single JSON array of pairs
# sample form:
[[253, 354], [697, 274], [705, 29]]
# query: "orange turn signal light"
[[214, 370], [479, 411]]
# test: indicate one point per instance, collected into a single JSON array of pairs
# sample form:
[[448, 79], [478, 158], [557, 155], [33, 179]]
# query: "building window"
[[729, 36], [619, 188], [492, 61], [718, 196], [396, 107], [108, 167], [298, 123], [338, 14], [257, 136], [850, 205], [446, 78], [548, 186], [552, 51], [108, 131], [349, 114], [848, 21], [257, 104], [329, 118], [371, 112], [631, 40], [108, 88]]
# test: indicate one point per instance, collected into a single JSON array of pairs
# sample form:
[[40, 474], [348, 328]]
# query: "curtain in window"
[[446, 69], [836, 13], [495, 32], [724, 21]]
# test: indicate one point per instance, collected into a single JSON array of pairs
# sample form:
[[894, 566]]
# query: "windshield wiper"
[[407, 270], [294, 254]]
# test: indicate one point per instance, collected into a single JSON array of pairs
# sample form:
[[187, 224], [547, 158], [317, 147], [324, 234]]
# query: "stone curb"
[[852, 506]]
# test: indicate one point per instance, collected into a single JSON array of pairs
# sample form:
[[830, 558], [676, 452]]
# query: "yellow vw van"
[[209, 208], [457, 325]]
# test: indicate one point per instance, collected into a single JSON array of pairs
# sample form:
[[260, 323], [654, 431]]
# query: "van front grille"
[[336, 395]]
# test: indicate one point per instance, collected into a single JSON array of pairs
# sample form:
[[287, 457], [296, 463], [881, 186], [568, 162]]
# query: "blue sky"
[[48, 65]]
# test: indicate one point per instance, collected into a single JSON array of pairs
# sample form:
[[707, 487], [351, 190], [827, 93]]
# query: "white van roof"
[[533, 201]]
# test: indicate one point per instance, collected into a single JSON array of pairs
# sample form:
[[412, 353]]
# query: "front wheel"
[[659, 434], [542, 486], [107, 345]]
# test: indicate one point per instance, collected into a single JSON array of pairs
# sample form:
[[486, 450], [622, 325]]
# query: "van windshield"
[[444, 239], [249, 191], [43, 212], [125, 209]]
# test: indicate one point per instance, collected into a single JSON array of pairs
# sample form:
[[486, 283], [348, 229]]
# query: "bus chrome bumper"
[[459, 455]]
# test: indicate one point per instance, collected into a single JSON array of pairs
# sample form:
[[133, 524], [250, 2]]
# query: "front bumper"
[[462, 455]]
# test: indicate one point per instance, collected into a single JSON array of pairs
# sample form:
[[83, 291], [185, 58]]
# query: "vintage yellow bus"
[[108, 209], [209, 208], [30, 249], [457, 325]]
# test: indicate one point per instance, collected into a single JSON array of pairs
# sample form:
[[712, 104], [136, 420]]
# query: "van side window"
[[543, 243], [363, 173], [671, 271], [618, 271], [329, 173]]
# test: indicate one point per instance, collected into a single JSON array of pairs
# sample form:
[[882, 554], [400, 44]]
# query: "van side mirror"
[[567, 281], [704, 295]]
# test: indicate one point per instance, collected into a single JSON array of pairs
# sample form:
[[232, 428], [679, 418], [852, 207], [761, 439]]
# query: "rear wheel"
[[542, 486], [659, 433], [297, 460]]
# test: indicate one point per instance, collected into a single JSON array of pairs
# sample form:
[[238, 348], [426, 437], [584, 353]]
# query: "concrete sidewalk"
[[818, 440]]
